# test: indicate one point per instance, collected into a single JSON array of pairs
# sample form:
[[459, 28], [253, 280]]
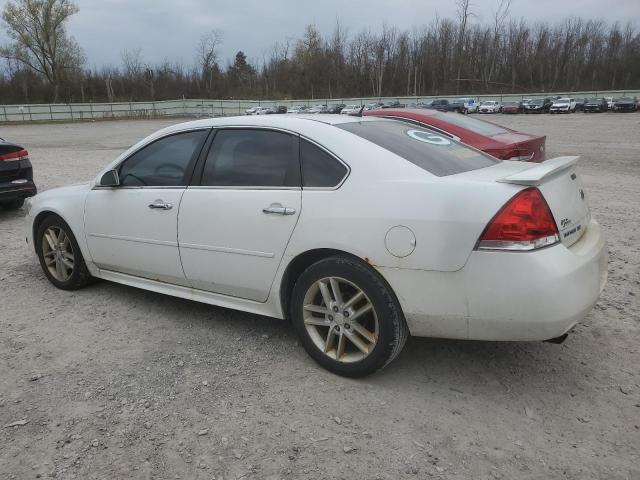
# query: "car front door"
[[132, 228], [234, 226]]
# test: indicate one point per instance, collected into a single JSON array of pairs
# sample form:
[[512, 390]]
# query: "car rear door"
[[132, 228], [236, 221]]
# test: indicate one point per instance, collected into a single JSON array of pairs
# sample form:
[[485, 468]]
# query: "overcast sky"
[[170, 29]]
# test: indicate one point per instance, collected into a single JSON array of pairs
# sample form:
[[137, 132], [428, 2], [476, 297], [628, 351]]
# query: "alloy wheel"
[[58, 253], [340, 319]]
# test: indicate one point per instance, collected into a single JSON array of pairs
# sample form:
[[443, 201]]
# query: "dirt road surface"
[[115, 382]]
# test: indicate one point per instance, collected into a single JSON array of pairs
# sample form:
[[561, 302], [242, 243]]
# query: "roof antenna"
[[361, 110]]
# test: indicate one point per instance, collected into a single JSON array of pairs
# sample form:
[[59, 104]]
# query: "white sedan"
[[360, 230], [351, 110], [490, 106]]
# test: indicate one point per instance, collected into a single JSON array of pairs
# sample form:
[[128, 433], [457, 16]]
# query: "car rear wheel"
[[347, 318], [60, 256], [13, 204]]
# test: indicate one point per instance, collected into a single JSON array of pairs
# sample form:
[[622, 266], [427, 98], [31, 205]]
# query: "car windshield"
[[594, 100], [469, 123], [625, 99], [562, 100], [511, 104], [489, 103], [435, 153]]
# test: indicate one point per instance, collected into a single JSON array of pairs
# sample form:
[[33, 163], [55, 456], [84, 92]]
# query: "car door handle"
[[279, 210], [160, 205]]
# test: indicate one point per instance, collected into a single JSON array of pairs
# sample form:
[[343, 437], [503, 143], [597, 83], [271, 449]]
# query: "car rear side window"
[[433, 152], [319, 168], [167, 162], [252, 158]]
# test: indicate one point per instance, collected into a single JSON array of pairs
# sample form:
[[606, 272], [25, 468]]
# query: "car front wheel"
[[346, 316], [60, 256]]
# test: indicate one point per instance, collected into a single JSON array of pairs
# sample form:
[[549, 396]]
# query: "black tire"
[[80, 276], [392, 327], [13, 204]]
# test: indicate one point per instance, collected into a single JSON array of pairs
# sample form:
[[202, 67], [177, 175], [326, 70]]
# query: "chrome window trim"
[[119, 164], [287, 131], [321, 147], [231, 187]]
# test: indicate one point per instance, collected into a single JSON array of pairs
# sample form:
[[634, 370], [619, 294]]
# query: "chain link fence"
[[217, 108]]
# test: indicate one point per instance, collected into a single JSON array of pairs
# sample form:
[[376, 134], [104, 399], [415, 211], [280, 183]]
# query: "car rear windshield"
[[433, 152], [473, 124]]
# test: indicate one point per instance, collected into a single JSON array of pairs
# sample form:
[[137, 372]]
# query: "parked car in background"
[[393, 104], [538, 105], [512, 107], [470, 105], [580, 104], [609, 102], [263, 110], [402, 231], [490, 106], [298, 109], [351, 110], [626, 104], [335, 108], [497, 141], [458, 106], [318, 109], [595, 105], [250, 111], [563, 105], [16, 175], [373, 106], [439, 104], [280, 109]]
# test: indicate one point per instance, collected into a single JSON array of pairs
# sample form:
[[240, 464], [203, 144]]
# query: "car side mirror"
[[110, 179]]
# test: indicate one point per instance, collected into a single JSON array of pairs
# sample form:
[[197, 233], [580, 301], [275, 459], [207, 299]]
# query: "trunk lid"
[[521, 145], [562, 188]]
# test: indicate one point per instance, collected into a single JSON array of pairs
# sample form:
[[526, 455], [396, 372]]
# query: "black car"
[[625, 104], [538, 105], [335, 108], [580, 102], [393, 104], [441, 105], [595, 105], [279, 109], [16, 175]]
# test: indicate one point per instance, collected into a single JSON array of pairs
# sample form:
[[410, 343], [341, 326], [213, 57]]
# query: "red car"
[[500, 142]]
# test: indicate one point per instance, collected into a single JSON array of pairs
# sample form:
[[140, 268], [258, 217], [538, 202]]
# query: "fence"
[[216, 108]]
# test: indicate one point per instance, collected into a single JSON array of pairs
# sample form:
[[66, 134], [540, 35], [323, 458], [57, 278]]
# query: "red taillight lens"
[[19, 155], [524, 223]]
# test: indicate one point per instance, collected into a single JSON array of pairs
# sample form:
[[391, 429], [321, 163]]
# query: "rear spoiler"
[[535, 175]]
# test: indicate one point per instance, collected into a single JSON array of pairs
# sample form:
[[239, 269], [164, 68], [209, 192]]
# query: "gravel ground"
[[115, 382]]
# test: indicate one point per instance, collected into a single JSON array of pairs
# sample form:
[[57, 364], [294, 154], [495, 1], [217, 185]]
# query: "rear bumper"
[[506, 295], [16, 180], [16, 189]]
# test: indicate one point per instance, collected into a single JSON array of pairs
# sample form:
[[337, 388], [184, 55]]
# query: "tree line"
[[448, 56]]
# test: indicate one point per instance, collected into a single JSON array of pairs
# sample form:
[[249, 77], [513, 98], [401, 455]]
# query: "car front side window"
[[167, 162], [252, 158]]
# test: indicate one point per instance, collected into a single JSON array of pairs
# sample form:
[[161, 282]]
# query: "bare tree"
[[39, 39], [207, 57], [464, 12]]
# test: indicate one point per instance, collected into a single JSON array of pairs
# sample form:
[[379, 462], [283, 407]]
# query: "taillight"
[[524, 223], [14, 156]]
